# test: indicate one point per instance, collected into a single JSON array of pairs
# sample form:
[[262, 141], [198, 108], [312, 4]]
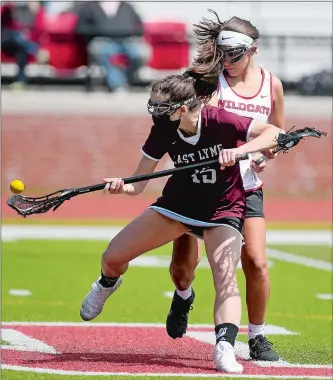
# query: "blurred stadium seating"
[[168, 42], [171, 47]]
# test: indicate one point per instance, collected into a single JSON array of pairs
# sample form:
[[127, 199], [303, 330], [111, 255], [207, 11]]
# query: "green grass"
[[59, 274]]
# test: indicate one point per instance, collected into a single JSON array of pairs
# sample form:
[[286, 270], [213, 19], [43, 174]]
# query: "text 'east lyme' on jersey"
[[221, 192], [259, 107]]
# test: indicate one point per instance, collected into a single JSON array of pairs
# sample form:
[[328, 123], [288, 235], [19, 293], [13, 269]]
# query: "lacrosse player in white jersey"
[[249, 90]]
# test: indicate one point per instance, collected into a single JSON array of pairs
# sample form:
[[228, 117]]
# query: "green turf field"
[[59, 274]]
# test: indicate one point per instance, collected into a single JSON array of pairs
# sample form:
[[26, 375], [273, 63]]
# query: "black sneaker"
[[262, 349], [176, 323]]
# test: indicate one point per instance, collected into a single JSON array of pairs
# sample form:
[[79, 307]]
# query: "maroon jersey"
[[206, 194]]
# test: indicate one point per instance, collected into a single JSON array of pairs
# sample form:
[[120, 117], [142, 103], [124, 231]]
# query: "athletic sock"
[[107, 282], [226, 332], [185, 294], [254, 330]]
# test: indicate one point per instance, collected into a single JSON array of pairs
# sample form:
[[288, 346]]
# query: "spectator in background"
[[16, 20], [112, 30]]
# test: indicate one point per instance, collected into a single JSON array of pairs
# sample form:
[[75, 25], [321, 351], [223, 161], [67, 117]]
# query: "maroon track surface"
[[130, 350], [123, 207]]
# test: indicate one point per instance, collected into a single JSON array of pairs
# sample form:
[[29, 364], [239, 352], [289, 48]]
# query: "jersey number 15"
[[204, 176]]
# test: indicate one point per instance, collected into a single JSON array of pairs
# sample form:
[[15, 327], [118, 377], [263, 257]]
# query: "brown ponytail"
[[192, 83], [205, 83]]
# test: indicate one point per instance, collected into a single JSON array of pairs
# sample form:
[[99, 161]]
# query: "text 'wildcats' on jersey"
[[241, 106], [258, 106]]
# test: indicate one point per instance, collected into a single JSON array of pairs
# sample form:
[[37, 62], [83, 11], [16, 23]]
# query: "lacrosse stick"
[[290, 139], [29, 205]]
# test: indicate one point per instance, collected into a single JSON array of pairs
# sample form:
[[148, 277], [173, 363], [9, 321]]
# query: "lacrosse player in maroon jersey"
[[248, 90], [207, 202]]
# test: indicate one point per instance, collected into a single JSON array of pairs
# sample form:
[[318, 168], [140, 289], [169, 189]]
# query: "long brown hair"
[[206, 31]]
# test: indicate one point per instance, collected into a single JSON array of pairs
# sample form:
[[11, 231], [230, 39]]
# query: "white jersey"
[[259, 107]]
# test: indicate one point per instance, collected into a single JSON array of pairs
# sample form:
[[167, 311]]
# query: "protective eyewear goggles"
[[165, 108], [235, 54]]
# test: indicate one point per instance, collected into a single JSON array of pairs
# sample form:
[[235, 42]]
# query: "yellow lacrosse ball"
[[17, 186]]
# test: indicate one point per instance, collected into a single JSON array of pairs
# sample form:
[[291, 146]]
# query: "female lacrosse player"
[[249, 90], [208, 202]]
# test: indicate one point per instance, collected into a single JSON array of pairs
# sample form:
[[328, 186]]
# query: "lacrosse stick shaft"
[[162, 173], [264, 158]]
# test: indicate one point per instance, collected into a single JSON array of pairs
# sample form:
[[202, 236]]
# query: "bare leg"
[[254, 262], [223, 247], [185, 258], [148, 231], [145, 233]]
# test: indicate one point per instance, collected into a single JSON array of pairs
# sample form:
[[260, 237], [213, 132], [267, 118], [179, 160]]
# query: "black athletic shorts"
[[254, 204], [233, 222]]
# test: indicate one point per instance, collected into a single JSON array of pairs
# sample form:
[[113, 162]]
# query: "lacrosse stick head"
[[25, 206], [293, 137], [313, 132]]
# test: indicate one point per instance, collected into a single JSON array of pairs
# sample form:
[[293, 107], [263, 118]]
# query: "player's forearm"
[[146, 166], [266, 140], [134, 188]]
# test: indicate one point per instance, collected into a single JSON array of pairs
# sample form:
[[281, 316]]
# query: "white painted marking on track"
[[154, 374], [19, 292], [20, 342], [168, 294], [325, 296]]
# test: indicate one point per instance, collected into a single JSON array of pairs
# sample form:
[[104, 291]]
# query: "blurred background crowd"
[[118, 45]]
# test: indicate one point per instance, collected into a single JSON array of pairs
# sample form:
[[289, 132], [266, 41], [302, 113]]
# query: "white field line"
[[269, 329], [162, 261], [325, 296], [299, 237], [12, 233], [19, 292], [300, 260], [36, 232], [153, 374]]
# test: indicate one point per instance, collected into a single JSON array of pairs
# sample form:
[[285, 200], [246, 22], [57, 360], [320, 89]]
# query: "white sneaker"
[[224, 358], [94, 301]]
